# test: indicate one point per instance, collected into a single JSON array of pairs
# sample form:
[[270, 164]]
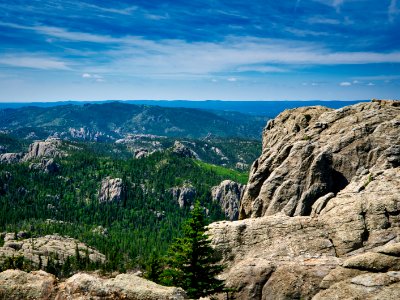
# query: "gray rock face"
[[46, 165], [184, 195], [228, 195], [312, 151], [183, 151], [348, 248], [111, 190], [39, 285], [32, 248], [11, 158], [47, 148]]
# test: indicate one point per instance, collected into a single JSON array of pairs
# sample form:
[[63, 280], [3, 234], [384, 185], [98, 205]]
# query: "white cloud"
[[345, 83], [232, 79], [86, 75], [370, 84], [323, 20], [138, 56], [33, 61], [262, 69]]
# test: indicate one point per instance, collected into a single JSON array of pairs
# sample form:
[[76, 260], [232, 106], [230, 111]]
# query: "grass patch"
[[241, 177]]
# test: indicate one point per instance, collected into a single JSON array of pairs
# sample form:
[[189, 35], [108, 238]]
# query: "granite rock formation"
[[321, 212], [312, 151], [39, 285], [228, 194], [47, 148], [11, 158], [45, 246], [184, 195], [183, 151], [111, 190]]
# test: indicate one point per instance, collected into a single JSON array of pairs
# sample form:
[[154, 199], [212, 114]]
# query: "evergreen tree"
[[191, 263], [153, 268]]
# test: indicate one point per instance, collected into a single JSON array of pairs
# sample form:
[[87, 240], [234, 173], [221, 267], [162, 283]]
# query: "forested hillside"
[[114, 120], [69, 200]]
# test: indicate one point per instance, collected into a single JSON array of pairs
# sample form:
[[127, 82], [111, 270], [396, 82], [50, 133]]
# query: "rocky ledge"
[[55, 246], [321, 211], [16, 284]]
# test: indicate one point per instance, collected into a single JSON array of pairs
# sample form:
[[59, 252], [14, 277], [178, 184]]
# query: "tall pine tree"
[[191, 261]]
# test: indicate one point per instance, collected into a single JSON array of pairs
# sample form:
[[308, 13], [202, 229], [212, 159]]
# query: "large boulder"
[[111, 190], [228, 194], [19, 285], [321, 210]]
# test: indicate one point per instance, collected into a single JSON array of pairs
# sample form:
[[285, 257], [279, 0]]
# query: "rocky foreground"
[[321, 211], [16, 284]]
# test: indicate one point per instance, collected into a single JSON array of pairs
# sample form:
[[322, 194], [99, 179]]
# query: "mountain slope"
[[114, 120]]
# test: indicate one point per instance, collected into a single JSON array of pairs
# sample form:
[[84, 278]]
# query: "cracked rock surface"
[[320, 215]]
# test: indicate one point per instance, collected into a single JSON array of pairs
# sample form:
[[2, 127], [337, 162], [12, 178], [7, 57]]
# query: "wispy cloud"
[[393, 10], [33, 62], [345, 83], [137, 55]]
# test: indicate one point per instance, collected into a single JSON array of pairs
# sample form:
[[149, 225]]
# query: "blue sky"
[[228, 50]]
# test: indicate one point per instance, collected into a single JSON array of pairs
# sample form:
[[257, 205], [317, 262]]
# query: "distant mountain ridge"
[[114, 120], [259, 108]]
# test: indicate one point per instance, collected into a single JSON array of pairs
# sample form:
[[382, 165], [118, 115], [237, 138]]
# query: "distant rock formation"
[[228, 194], [16, 284], [183, 151], [47, 148], [321, 212], [11, 158], [46, 165], [49, 245], [184, 195], [111, 190]]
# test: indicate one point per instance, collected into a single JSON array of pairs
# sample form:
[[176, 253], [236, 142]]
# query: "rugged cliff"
[[321, 208]]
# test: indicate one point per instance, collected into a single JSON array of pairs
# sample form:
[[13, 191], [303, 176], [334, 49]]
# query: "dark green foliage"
[[191, 263], [154, 268], [15, 262]]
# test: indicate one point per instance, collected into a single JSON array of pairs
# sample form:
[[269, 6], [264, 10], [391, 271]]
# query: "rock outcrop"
[[324, 198], [39, 285], [228, 194], [48, 148], [46, 165], [16, 285], [11, 158], [184, 195], [183, 151], [312, 151], [111, 190], [58, 247]]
